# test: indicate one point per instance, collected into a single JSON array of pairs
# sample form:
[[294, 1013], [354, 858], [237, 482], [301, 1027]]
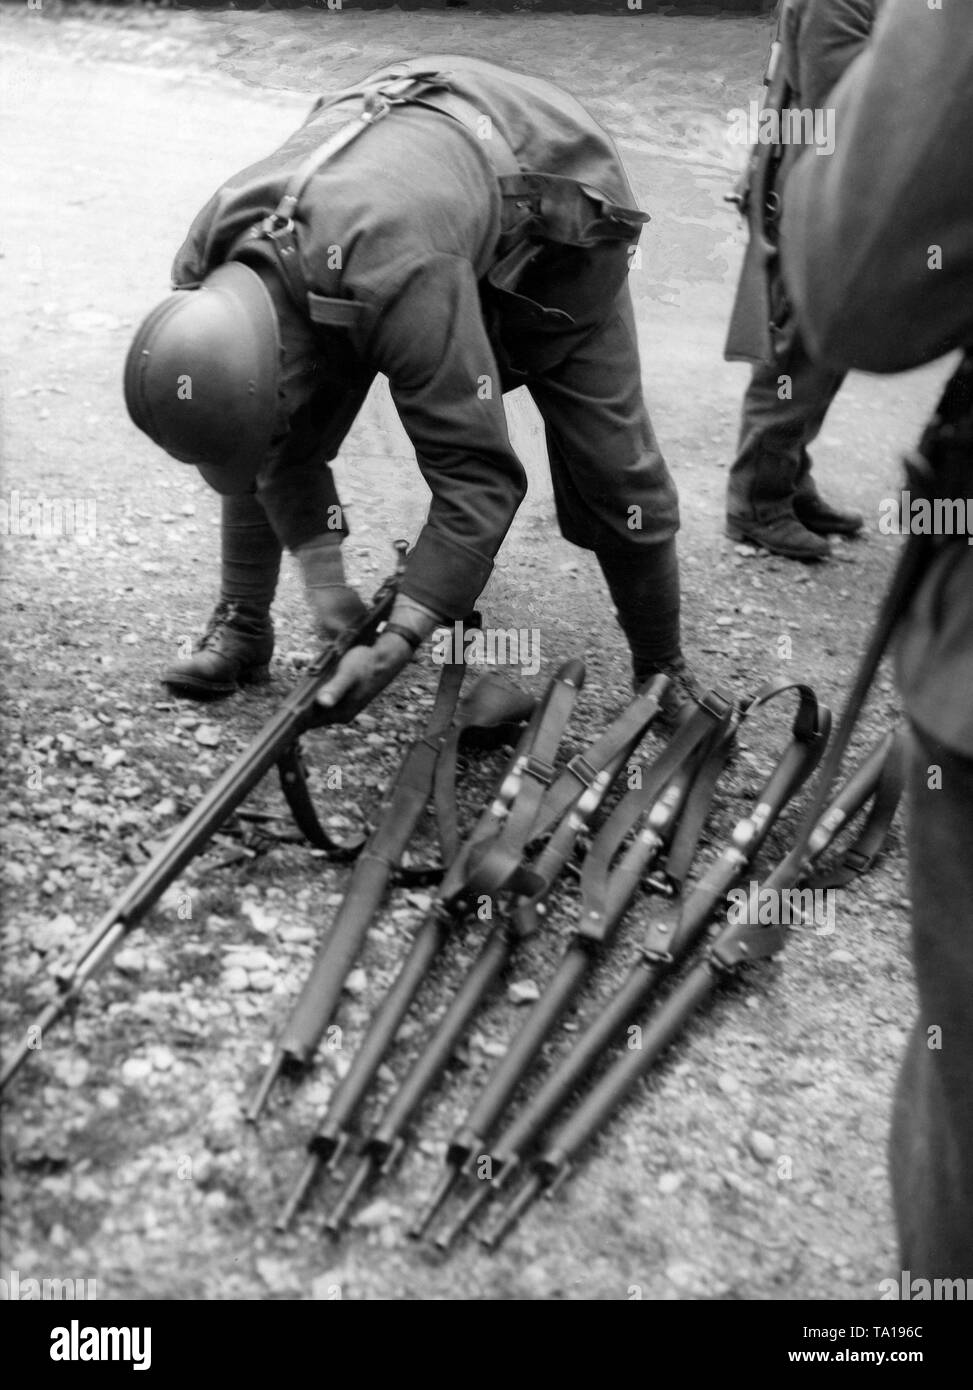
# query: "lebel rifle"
[[607, 893], [878, 779], [277, 744]]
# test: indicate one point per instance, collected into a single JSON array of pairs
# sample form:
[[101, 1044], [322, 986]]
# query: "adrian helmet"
[[202, 376]]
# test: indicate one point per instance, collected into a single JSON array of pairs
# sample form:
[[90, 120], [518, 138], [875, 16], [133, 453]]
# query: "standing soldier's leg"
[[239, 638], [613, 491], [771, 498], [932, 1122]]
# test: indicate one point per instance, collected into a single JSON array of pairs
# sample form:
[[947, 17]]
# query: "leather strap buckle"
[[280, 222], [274, 226], [714, 702], [539, 769], [582, 769], [858, 862]]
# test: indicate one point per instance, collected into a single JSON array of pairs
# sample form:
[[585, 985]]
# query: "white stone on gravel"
[[71, 1071], [54, 935], [130, 961], [523, 992], [249, 958], [260, 920], [670, 1182], [297, 934], [762, 1146], [136, 1069], [357, 982], [683, 1275], [377, 1213]]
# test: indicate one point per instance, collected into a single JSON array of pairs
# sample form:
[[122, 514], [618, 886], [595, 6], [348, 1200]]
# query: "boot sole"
[[736, 533], [194, 688], [826, 530]]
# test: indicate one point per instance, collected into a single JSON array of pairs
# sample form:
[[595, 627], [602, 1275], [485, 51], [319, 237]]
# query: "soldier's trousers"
[[776, 430], [932, 1126], [612, 490]]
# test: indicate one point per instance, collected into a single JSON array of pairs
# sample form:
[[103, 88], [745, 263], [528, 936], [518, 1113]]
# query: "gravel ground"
[[752, 1166]]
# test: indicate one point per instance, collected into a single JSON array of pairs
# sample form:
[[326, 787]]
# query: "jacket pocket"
[[561, 210]]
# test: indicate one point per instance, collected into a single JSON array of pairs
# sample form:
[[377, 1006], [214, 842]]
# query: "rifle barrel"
[[356, 1183], [612, 1088], [318, 1001], [277, 736], [308, 1173], [333, 1131], [509, 1215], [471, 1140], [478, 1197], [385, 1141], [561, 989], [792, 768], [553, 1164]]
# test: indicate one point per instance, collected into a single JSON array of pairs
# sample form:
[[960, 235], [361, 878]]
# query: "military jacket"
[[859, 241], [414, 229], [817, 41]]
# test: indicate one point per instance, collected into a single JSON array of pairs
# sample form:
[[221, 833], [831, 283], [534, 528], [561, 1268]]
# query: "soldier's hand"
[[335, 607], [361, 674]]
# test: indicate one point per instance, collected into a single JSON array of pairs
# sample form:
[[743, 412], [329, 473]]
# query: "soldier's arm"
[[432, 345], [877, 240]]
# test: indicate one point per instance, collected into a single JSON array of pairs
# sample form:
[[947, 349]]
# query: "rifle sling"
[[292, 771], [574, 798], [713, 757], [583, 769], [713, 711], [859, 857], [290, 763], [413, 784], [494, 703], [742, 943], [493, 865], [665, 942]]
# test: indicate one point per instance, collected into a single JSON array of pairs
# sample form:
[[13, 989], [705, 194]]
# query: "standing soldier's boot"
[[644, 585], [761, 508], [238, 642], [820, 516]]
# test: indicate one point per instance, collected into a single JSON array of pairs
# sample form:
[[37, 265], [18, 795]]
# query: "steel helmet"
[[202, 376]]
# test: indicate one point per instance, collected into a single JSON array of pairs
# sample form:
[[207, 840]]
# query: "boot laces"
[[222, 616]]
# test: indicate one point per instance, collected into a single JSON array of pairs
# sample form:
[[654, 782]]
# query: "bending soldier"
[[445, 223]]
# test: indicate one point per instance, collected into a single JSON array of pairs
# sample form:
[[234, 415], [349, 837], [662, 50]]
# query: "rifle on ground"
[[607, 893], [503, 828], [677, 790], [878, 779], [602, 761], [490, 714], [277, 744]]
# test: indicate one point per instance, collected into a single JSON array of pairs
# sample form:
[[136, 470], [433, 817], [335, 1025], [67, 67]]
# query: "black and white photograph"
[[486, 526]]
